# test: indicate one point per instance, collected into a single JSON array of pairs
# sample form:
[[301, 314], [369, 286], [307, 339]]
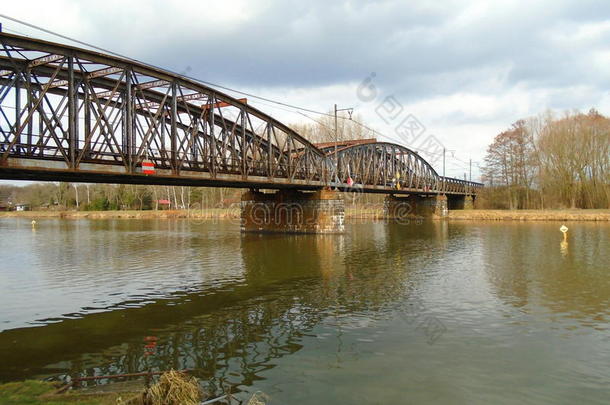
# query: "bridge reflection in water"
[[228, 333]]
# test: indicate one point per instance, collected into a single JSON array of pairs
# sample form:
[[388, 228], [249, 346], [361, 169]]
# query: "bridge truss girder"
[[77, 115], [77, 106]]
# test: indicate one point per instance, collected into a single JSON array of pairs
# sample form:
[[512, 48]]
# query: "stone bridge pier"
[[421, 206], [415, 206], [460, 202], [292, 211]]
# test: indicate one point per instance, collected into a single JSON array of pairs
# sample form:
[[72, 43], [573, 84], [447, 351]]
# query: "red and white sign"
[[350, 182], [148, 167]]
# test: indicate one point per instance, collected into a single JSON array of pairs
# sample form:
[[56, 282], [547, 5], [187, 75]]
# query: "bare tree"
[[565, 161]]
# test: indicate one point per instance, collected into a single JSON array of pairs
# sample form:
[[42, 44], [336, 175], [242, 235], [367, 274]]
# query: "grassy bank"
[[530, 215], [128, 214], [33, 392], [371, 213]]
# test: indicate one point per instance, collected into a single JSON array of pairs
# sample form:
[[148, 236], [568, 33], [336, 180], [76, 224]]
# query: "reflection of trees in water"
[[128, 254], [506, 249], [232, 332], [526, 265]]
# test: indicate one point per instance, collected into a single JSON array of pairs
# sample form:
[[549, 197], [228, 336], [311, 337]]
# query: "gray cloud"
[[424, 49], [315, 45]]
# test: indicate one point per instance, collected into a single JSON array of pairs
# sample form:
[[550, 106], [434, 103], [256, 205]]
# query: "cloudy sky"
[[464, 69]]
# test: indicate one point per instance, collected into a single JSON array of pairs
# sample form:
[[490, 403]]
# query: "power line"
[[14, 31], [61, 36], [315, 120]]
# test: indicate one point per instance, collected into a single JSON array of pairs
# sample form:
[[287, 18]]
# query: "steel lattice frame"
[[72, 114], [378, 166]]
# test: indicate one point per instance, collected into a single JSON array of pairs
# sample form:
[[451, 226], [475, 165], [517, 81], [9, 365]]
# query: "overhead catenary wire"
[[14, 31]]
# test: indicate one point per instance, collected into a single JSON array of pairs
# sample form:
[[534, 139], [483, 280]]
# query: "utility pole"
[[349, 111], [444, 150], [469, 173], [76, 194], [336, 140]]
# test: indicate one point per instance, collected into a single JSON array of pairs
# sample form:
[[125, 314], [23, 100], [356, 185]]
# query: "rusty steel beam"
[[217, 104], [344, 143]]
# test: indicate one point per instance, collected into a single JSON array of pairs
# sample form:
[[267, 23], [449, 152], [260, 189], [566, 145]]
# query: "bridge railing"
[[161, 158], [453, 185]]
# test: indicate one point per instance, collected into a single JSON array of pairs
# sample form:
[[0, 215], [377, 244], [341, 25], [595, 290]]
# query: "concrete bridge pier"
[[469, 202], [460, 202], [292, 211], [415, 206]]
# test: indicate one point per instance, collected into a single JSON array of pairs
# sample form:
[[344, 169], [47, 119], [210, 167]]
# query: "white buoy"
[[564, 230]]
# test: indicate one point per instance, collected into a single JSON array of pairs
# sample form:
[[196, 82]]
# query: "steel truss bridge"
[[70, 114]]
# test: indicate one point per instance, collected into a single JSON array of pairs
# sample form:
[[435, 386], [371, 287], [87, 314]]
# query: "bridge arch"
[[384, 164]]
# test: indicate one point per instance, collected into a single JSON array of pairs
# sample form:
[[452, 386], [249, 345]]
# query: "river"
[[439, 312]]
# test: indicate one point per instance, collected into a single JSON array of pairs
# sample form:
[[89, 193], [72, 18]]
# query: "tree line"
[[550, 161], [106, 197]]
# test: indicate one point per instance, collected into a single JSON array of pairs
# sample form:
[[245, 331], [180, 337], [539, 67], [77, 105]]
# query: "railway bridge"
[[72, 114]]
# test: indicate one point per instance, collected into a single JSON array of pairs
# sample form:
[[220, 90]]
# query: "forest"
[[549, 161]]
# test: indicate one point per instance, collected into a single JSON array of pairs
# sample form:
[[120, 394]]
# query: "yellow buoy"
[[564, 243], [564, 229]]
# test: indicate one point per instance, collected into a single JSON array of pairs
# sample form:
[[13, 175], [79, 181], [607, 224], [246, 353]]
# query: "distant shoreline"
[[350, 213], [126, 214], [531, 215]]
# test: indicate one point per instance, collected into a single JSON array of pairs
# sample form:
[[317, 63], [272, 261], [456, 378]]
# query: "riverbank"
[[530, 215], [127, 214], [33, 392], [171, 387], [368, 213], [206, 213]]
